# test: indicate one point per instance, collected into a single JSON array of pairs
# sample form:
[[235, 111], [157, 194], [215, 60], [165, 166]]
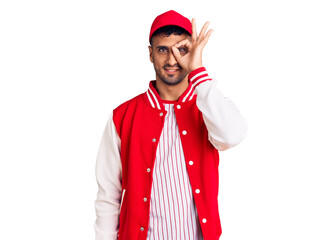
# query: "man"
[[157, 165]]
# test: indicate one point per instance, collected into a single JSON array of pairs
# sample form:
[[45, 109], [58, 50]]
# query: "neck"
[[171, 92]]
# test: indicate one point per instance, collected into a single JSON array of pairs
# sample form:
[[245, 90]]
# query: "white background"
[[65, 64]]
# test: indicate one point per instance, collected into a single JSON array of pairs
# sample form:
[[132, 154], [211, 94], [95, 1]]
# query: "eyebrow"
[[158, 47]]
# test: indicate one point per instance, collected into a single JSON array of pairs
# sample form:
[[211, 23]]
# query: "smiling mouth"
[[168, 70]]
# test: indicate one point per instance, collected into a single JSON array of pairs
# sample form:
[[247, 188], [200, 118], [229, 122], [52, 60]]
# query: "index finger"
[[185, 43]]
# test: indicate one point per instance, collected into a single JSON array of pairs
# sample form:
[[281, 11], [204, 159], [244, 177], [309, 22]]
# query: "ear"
[[150, 54]]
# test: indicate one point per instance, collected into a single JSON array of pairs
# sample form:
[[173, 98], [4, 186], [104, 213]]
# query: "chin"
[[169, 80]]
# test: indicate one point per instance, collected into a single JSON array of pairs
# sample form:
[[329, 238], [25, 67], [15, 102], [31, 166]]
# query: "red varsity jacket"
[[207, 121]]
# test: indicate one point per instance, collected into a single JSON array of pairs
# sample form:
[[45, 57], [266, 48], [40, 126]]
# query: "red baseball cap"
[[170, 18]]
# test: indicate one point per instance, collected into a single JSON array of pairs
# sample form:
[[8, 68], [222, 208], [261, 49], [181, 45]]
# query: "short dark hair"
[[168, 30]]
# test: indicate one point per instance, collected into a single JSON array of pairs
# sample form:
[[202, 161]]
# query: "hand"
[[193, 58]]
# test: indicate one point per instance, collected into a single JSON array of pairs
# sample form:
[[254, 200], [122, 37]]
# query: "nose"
[[171, 59]]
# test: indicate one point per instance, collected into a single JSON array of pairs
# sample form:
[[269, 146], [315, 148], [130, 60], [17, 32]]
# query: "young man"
[[157, 165]]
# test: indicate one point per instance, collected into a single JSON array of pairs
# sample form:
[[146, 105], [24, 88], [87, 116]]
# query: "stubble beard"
[[169, 79]]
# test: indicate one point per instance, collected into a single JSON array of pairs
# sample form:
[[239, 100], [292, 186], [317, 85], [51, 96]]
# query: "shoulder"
[[122, 108], [128, 109], [124, 112]]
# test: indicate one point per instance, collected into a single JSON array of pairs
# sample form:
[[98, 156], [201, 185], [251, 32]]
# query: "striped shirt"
[[173, 213]]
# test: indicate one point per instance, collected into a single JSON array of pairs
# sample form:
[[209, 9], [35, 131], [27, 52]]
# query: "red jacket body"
[[139, 123]]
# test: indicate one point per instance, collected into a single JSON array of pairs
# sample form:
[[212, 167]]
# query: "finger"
[[186, 43], [194, 30], [176, 53], [203, 31], [205, 40]]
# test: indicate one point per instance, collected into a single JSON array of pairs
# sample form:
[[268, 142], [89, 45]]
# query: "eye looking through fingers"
[[183, 50]]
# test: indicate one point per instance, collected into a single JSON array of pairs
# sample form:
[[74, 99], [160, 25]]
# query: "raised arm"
[[226, 126]]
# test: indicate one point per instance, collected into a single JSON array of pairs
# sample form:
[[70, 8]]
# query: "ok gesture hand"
[[193, 58]]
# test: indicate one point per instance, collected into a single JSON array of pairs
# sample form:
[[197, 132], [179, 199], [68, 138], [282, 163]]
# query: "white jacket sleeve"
[[226, 126], [109, 178]]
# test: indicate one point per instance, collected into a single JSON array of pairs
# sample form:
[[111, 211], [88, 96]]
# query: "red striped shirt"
[[173, 213]]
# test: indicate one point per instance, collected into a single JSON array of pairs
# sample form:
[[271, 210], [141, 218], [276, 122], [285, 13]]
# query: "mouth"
[[171, 70]]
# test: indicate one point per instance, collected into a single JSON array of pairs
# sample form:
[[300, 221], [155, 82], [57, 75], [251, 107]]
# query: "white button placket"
[[184, 132]]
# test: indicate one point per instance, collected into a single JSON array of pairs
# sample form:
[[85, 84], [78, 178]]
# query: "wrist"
[[196, 71], [194, 68], [198, 76]]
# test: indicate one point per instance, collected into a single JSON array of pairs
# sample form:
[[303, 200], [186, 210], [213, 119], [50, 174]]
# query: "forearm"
[[225, 124]]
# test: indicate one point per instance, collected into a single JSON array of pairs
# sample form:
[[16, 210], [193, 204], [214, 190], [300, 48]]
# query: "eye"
[[162, 50], [182, 49]]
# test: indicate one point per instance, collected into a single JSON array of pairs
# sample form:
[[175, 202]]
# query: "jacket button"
[[161, 114], [142, 229], [190, 163], [178, 106], [153, 140], [197, 190], [148, 169], [184, 132], [204, 220], [145, 199]]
